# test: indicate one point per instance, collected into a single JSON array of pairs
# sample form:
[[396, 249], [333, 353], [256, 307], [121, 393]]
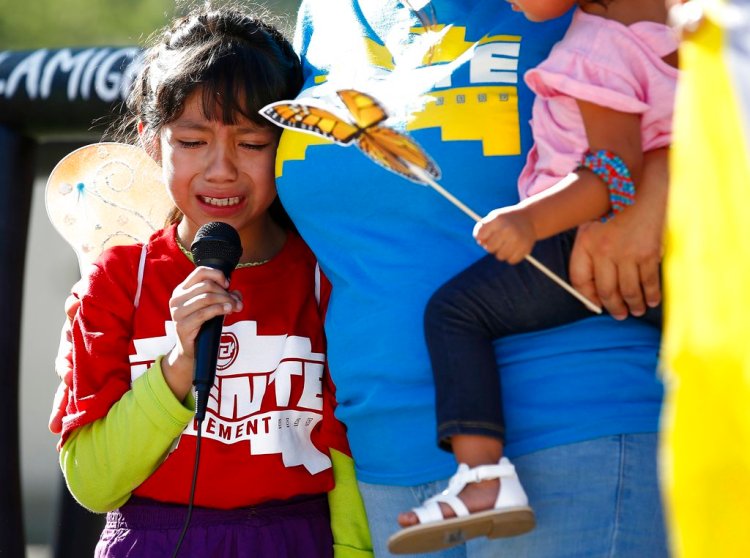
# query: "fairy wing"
[[365, 110], [393, 150], [103, 195], [311, 119]]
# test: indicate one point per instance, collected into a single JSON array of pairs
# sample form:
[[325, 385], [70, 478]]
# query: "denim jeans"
[[594, 499], [489, 300]]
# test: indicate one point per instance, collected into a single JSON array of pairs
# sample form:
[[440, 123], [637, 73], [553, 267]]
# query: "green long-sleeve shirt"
[[104, 461]]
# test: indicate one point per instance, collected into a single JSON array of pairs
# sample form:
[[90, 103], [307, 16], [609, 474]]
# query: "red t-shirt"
[[269, 422]]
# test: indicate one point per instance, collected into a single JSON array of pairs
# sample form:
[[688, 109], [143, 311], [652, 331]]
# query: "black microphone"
[[216, 245]]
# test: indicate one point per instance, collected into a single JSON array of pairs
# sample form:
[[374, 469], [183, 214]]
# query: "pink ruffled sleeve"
[[604, 79]]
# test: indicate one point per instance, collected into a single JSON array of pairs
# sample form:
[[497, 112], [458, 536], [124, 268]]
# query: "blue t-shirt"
[[387, 243]]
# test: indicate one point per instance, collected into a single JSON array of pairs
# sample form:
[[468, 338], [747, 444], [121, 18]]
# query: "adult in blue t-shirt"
[[582, 401]]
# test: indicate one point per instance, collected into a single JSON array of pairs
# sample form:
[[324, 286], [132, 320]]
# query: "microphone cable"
[[192, 489]]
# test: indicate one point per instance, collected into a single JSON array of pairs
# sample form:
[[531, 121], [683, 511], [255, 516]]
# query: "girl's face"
[[542, 10], [218, 172]]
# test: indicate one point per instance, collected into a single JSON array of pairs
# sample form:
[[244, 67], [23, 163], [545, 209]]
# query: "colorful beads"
[[615, 174]]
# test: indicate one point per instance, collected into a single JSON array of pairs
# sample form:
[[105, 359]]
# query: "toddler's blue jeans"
[[489, 300]]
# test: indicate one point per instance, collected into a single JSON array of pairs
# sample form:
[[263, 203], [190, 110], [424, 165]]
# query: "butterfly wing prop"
[[397, 152], [365, 110], [312, 119], [387, 147], [103, 195]]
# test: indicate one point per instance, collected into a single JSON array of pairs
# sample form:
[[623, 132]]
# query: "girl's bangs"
[[239, 86]]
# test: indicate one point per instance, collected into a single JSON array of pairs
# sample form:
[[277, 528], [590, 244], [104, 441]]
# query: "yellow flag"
[[706, 421]]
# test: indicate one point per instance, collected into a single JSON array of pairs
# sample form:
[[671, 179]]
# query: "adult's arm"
[[64, 365], [617, 263], [104, 461]]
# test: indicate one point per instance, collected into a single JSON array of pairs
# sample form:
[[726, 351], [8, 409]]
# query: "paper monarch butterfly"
[[384, 145]]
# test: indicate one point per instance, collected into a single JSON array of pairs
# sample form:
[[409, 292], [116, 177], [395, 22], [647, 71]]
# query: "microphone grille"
[[217, 245]]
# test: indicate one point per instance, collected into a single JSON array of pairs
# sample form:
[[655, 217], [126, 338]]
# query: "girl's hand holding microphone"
[[201, 296]]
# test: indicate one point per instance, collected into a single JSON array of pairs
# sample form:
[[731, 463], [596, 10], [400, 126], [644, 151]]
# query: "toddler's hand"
[[507, 233]]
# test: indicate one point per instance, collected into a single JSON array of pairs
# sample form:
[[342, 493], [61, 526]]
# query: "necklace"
[[240, 265]]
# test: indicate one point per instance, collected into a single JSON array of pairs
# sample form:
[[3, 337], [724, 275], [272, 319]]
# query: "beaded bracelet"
[[615, 174]]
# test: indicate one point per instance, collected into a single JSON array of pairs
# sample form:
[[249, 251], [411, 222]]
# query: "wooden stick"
[[427, 179]]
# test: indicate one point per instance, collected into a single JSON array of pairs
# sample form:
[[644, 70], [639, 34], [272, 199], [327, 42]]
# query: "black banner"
[[67, 90]]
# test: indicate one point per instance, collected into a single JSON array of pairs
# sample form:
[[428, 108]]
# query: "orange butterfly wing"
[[384, 145], [387, 147], [393, 150], [365, 110], [312, 119]]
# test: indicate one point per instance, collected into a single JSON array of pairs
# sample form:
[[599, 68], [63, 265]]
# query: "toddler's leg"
[[489, 300], [654, 316]]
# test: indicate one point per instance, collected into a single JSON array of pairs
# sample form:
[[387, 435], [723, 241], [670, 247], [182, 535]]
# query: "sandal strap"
[[430, 512], [511, 492], [481, 473], [454, 502]]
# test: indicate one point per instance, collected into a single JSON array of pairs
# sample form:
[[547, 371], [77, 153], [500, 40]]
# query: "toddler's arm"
[[510, 233], [617, 262]]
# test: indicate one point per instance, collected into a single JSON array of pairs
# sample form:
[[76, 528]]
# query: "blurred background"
[[50, 264], [32, 24]]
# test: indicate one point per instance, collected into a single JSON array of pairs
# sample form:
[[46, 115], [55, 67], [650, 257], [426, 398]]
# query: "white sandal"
[[510, 516]]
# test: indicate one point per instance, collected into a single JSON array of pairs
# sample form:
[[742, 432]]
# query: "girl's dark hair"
[[239, 62]]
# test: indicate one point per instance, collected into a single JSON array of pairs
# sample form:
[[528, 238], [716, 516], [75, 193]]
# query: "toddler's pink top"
[[606, 63]]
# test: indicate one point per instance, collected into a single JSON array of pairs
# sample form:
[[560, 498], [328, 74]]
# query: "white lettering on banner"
[[64, 61], [108, 83], [94, 68], [256, 369], [29, 68]]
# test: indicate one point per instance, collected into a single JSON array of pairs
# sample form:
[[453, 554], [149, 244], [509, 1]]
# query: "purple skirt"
[[297, 528]]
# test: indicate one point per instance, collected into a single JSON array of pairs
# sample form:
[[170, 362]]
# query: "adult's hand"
[[617, 263], [64, 366]]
